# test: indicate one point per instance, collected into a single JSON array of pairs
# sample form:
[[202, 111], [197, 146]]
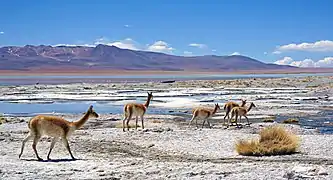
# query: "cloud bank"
[[326, 62], [318, 46]]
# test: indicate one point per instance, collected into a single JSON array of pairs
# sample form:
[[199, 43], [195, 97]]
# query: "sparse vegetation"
[[2, 119], [291, 121], [269, 119], [156, 121], [274, 140]]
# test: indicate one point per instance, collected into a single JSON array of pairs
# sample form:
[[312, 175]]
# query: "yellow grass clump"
[[2, 119], [156, 121], [291, 121], [274, 140]]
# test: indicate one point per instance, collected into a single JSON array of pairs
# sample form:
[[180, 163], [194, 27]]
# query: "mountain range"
[[103, 57]]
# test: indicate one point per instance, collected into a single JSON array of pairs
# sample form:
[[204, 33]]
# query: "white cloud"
[[304, 63], [235, 53], [277, 52], [319, 46], [127, 43], [160, 46], [188, 53], [73, 45], [326, 62], [284, 61], [213, 50], [127, 26], [1, 32], [198, 45]]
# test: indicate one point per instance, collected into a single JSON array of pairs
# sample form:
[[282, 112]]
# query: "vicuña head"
[[240, 111], [54, 127], [229, 105], [136, 110], [205, 114]]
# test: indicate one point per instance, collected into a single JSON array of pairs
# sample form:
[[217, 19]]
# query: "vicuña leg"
[[193, 117], [127, 122], [203, 123], [248, 122], [54, 140], [210, 126], [65, 141], [142, 122], [226, 114], [30, 136], [236, 120], [125, 118], [136, 122], [34, 145]]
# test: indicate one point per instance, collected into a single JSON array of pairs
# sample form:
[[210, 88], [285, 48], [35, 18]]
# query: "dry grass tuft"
[[2, 119], [274, 140], [269, 119], [291, 121], [156, 121]]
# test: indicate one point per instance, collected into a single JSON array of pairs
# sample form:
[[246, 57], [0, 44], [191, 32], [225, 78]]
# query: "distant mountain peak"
[[111, 57]]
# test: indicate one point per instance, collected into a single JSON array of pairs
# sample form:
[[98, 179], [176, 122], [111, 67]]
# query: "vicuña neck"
[[243, 104], [147, 102], [81, 122], [215, 110], [250, 108]]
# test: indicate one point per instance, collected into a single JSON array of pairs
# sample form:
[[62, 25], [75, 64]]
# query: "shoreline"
[[92, 72]]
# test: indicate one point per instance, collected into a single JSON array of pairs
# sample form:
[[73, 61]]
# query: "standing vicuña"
[[203, 113], [240, 111], [229, 105], [134, 109], [54, 127]]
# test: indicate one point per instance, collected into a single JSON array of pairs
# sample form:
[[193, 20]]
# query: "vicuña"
[[55, 127], [135, 109], [205, 114], [239, 112], [229, 105]]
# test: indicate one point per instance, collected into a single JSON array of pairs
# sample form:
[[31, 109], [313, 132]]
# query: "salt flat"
[[168, 148]]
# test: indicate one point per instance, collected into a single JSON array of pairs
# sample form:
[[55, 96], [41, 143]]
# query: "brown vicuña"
[[135, 109], [55, 127], [229, 105], [239, 112], [203, 113]]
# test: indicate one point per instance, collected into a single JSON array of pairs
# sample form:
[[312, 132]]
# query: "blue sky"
[[260, 29]]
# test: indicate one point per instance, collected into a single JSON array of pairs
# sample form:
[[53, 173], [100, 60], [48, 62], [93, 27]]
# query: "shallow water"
[[323, 121], [29, 101], [59, 79], [24, 109]]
